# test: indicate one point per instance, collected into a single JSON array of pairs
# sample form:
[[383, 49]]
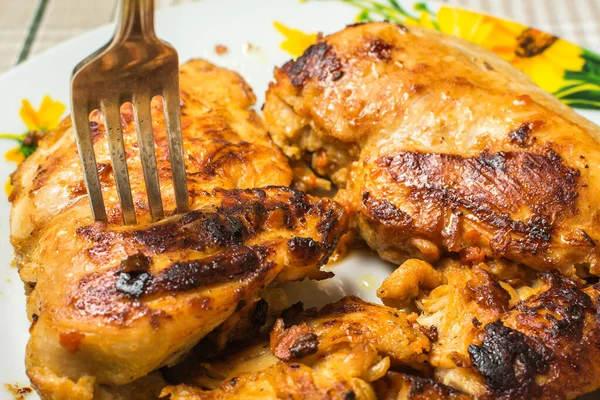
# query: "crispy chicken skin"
[[332, 354], [109, 303], [536, 338], [439, 145]]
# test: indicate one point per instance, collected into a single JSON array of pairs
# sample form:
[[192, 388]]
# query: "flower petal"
[[29, 116], [8, 187], [296, 41], [544, 72], [565, 55], [49, 113], [15, 155]]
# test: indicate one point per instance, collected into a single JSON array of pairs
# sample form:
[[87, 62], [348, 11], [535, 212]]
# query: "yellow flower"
[[543, 57], [8, 187], [15, 155], [45, 118], [295, 41], [548, 68]]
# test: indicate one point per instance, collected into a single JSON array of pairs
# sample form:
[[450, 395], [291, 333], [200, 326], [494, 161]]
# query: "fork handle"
[[136, 19]]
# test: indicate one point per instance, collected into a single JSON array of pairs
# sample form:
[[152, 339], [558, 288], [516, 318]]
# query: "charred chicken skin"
[[439, 145], [481, 332], [109, 303], [504, 332]]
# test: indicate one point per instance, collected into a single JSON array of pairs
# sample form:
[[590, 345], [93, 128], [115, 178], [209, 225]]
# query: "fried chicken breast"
[[505, 333], [439, 145], [335, 353], [109, 303]]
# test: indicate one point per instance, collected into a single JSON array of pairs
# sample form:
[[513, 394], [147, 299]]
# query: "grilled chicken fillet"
[[335, 353], [439, 145], [478, 332], [504, 332], [109, 303]]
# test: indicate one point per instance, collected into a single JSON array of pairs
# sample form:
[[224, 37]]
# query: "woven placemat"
[[28, 27]]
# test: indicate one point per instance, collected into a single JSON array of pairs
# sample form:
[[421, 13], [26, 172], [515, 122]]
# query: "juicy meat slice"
[[109, 303], [335, 353], [439, 145], [532, 338]]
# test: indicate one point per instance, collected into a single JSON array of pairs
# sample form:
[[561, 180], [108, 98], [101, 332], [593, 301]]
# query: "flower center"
[[532, 42]]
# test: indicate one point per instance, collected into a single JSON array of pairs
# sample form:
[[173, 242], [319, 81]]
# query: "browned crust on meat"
[[545, 347], [304, 248], [237, 217], [240, 216], [234, 264], [318, 61], [487, 291], [348, 305], [301, 333], [380, 49], [295, 342], [97, 295], [492, 187]]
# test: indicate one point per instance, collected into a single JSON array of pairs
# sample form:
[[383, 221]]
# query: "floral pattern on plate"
[[45, 118]]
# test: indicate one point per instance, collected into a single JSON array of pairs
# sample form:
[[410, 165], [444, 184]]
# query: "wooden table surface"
[[28, 27]]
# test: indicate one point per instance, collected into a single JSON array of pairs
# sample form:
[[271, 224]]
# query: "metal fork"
[[133, 67]]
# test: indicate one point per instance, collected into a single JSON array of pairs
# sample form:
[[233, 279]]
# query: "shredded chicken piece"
[[336, 353]]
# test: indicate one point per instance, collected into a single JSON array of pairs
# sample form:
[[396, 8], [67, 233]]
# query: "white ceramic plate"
[[194, 30]]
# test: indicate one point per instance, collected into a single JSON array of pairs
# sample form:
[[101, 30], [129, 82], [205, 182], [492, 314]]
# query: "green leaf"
[[364, 16], [591, 56], [567, 88], [27, 150], [391, 10], [585, 105], [384, 12], [423, 7], [582, 76], [396, 6], [591, 95]]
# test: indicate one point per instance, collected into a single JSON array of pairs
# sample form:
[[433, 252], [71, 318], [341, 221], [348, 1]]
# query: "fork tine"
[[143, 121], [112, 122], [173, 126], [85, 147]]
